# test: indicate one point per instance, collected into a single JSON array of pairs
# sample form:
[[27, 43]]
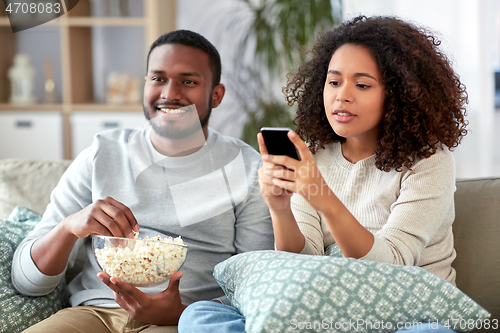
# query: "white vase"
[[22, 76]]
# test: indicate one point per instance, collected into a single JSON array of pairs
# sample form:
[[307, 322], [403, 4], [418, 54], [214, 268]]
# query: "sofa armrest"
[[476, 233]]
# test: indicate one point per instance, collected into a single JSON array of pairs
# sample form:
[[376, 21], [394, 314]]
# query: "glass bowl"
[[139, 262]]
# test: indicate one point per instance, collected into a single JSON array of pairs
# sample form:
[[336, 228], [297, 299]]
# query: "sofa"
[[476, 228]]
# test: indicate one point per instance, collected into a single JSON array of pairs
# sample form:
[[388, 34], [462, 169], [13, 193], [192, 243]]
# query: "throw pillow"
[[334, 251], [18, 311], [287, 292]]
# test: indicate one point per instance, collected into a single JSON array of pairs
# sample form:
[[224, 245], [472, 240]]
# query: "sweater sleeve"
[[71, 195], [424, 205]]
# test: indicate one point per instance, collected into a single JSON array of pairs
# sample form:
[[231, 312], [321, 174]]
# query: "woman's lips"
[[343, 116]]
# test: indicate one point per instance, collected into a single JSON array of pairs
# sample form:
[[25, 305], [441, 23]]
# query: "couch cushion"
[[18, 311], [28, 184], [477, 241], [288, 292]]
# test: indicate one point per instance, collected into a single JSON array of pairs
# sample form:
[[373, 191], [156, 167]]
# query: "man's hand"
[[107, 217], [163, 309]]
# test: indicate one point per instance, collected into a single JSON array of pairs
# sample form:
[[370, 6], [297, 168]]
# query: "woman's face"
[[354, 94]]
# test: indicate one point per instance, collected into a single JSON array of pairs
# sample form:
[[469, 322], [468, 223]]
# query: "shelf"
[[4, 22], [98, 21], [30, 107], [89, 107], [84, 46], [85, 21], [96, 107]]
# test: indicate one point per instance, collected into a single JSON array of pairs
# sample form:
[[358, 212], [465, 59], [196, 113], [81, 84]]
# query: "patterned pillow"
[[286, 292], [19, 312]]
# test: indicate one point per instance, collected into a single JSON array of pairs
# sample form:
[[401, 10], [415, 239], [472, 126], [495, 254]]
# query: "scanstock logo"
[[26, 14]]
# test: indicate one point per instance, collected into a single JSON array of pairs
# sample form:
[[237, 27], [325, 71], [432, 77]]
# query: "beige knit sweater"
[[410, 213]]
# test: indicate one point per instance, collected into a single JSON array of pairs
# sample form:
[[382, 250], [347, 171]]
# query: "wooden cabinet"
[[82, 46], [31, 135], [85, 124]]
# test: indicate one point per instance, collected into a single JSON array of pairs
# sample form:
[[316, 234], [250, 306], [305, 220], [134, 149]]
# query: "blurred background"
[[80, 73]]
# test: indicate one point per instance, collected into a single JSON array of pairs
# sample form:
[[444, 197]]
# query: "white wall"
[[469, 31], [209, 18], [470, 35]]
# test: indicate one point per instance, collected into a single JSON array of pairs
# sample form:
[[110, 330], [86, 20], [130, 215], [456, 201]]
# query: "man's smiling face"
[[178, 92]]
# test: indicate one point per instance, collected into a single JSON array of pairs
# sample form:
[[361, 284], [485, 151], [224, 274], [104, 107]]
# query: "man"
[[173, 177]]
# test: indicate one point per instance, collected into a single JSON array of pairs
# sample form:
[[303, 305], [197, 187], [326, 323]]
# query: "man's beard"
[[170, 132]]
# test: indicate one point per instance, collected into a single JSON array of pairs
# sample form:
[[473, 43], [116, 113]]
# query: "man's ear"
[[218, 94]]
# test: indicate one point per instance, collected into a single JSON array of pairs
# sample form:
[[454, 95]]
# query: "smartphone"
[[278, 143]]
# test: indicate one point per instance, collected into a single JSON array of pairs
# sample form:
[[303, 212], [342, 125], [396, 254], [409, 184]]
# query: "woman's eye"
[[334, 83], [363, 86]]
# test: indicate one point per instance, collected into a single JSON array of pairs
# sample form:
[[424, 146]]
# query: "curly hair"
[[424, 107]]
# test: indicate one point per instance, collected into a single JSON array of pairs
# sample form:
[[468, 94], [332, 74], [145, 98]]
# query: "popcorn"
[[142, 262]]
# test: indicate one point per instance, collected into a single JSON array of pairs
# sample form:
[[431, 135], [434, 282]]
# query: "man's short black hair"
[[193, 39]]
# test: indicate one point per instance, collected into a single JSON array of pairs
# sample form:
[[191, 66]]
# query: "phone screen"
[[277, 141]]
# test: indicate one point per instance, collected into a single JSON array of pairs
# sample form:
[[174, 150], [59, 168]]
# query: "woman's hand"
[[287, 235], [303, 177], [292, 176], [106, 217], [276, 197]]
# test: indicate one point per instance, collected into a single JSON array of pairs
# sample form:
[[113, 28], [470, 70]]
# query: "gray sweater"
[[210, 198], [410, 213]]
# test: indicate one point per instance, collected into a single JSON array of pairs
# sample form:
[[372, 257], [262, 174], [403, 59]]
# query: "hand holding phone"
[[278, 143]]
